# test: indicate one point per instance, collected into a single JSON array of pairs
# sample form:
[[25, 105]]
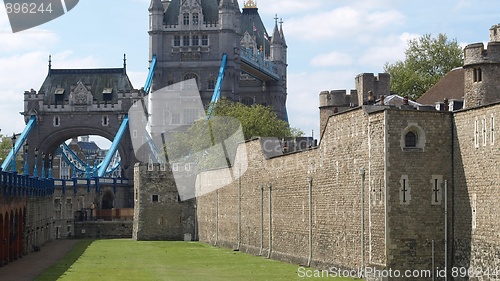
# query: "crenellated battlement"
[[477, 54]]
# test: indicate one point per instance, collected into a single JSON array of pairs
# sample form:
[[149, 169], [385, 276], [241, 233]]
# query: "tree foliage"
[[427, 60], [204, 136]]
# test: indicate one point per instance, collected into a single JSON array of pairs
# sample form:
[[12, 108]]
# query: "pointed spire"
[[155, 5], [282, 35], [50, 63], [124, 63], [276, 33]]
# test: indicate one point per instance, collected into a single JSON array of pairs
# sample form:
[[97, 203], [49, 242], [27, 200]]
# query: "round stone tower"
[[482, 71]]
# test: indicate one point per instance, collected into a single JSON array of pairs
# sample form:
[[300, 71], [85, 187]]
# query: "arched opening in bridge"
[[107, 200], [82, 156]]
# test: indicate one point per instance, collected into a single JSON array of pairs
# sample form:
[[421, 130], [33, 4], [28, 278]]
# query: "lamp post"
[[50, 166], [26, 166], [43, 165], [35, 168], [13, 152]]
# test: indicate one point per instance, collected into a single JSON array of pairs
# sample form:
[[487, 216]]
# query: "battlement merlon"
[[495, 33], [477, 54]]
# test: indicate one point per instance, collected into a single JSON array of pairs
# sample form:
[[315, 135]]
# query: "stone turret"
[[155, 15], [482, 71], [377, 85], [495, 33]]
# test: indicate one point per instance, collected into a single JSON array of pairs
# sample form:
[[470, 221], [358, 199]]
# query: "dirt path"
[[30, 266]]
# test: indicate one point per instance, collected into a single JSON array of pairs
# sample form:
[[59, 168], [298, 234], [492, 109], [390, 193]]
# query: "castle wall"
[[274, 195], [476, 161]]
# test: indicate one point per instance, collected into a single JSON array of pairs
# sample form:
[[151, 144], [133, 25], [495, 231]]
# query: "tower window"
[[56, 121], [410, 139], [204, 40], [247, 101], [185, 40], [211, 84], [195, 19], [478, 74], [195, 40], [105, 120], [185, 20], [155, 198], [177, 40]]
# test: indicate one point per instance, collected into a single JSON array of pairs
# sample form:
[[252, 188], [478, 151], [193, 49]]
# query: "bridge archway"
[[51, 142]]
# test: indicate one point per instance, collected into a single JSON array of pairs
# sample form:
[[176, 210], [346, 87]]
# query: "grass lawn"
[[124, 259]]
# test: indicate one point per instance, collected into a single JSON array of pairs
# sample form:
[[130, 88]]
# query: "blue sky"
[[329, 43]]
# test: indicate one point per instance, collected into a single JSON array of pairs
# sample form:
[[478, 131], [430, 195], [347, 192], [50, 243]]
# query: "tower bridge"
[[187, 40]]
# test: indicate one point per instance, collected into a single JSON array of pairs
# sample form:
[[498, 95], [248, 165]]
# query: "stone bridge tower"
[[75, 102]]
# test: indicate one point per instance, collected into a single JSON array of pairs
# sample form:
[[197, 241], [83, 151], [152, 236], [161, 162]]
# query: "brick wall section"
[[413, 226], [166, 219], [476, 188]]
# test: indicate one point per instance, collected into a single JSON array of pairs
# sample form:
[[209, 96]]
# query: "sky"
[[329, 43]]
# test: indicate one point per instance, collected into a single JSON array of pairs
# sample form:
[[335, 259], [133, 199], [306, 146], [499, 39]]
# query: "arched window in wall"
[[410, 139], [185, 19], [189, 76], [247, 101]]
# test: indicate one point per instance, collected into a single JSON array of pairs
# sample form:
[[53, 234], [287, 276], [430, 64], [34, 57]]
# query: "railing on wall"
[[20, 185]]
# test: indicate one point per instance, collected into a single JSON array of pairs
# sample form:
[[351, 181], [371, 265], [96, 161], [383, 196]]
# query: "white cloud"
[[342, 22], [386, 49], [332, 59], [23, 71]]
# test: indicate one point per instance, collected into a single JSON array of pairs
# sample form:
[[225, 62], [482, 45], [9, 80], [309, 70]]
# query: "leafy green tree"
[[197, 143], [5, 149], [427, 60]]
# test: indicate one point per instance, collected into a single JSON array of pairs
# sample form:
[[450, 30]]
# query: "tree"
[[427, 60], [204, 135]]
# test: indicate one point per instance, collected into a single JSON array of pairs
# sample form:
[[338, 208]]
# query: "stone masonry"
[[158, 212]]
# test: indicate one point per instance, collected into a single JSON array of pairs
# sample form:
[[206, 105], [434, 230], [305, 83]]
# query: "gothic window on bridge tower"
[[211, 84], [196, 19], [177, 41], [204, 40], [176, 119], [195, 40], [185, 40], [105, 120], [57, 121], [190, 76], [155, 198], [247, 101], [185, 19]]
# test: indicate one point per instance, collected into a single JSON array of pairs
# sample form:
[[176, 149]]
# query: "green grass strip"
[[59, 268], [125, 259]]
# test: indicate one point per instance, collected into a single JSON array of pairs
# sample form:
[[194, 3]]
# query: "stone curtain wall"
[[477, 178], [414, 224], [274, 195]]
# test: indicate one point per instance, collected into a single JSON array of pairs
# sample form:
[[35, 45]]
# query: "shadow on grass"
[[58, 269]]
